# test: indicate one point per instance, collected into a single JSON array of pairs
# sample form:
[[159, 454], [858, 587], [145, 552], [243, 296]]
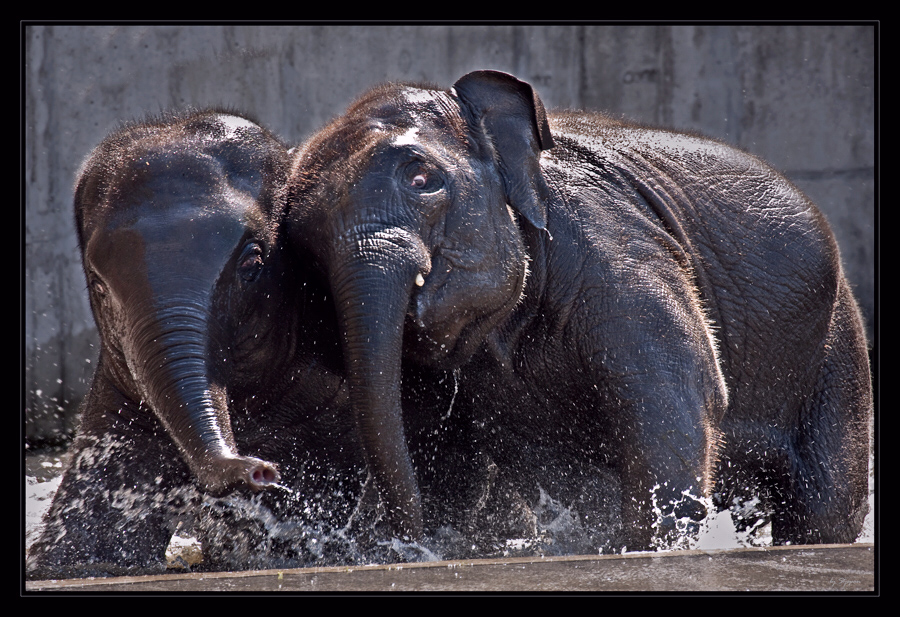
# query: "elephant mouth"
[[446, 322], [450, 343], [435, 349]]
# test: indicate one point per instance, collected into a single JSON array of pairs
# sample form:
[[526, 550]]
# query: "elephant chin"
[[449, 348], [454, 344], [445, 338]]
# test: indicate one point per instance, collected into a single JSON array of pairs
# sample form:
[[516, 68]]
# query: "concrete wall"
[[800, 96]]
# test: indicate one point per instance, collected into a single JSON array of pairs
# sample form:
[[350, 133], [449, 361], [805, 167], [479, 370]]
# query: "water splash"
[[559, 529], [410, 552], [719, 532]]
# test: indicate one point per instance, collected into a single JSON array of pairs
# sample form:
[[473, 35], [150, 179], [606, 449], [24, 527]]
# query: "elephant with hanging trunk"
[[218, 371], [615, 301]]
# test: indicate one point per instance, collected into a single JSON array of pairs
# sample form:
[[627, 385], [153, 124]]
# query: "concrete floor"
[[848, 568]]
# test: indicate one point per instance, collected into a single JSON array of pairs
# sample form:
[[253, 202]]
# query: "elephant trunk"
[[372, 291], [169, 359]]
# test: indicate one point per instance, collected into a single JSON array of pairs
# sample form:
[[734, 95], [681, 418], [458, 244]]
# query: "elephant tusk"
[[420, 280]]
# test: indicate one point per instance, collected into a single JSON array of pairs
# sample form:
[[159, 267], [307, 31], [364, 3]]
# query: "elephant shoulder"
[[699, 189]]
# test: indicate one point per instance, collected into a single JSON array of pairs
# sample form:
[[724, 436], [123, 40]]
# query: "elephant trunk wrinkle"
[[171, 364], [372, 300]]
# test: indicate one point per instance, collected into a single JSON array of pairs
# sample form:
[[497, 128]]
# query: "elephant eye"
[[250, 263], [422, 179], [98, 286]]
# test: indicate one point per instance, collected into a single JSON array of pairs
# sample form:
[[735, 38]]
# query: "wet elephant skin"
[[215, 377], [461, 307], [612, 299]]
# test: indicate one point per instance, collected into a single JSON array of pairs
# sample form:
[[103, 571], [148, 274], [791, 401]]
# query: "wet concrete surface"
[[846, 568]]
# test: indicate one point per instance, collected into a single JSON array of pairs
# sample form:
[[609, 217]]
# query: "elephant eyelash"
[[97, 286], [250, 263], [422, 179]]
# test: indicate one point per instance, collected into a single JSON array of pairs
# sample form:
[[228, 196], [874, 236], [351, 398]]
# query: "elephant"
[[218, 374], [635, 310]]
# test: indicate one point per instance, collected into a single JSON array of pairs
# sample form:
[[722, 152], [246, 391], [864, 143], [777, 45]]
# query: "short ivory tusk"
[[420, 280]]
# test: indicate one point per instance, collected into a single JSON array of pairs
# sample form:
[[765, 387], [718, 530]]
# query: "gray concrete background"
[[800, 96]]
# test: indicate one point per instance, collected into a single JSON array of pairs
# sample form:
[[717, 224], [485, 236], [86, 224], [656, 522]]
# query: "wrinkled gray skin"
[[649, 305], [215, 370]]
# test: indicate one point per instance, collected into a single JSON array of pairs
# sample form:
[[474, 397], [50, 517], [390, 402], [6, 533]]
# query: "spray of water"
[[254, 532]]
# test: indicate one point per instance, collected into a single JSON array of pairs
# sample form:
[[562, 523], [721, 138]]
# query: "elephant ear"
[[513, 118]]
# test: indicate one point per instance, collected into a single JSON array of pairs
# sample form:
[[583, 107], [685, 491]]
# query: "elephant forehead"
[[185, 230], [374, 130], [181, 243], [170, 171], [175, 203], [394, 103], [234, 125], [440, 145], [408, 137], [412, 114], [188, 224]]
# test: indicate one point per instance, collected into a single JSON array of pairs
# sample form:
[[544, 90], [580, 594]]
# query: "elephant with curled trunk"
[[216, 370], [620, 302]]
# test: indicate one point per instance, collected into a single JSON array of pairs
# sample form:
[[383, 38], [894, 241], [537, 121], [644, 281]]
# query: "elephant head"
[[413, 205], [177, 221]]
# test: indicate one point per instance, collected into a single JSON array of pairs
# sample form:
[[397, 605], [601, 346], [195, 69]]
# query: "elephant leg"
[[118, 504], [823, 497], [668, 436], [664, 398], [664, 484]]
